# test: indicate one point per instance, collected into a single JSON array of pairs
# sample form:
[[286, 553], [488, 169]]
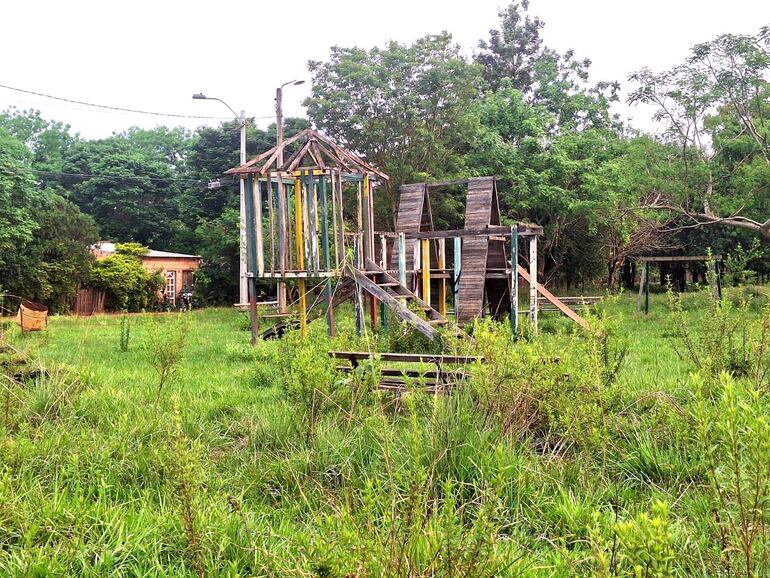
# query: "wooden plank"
[[408, 357], [677, 258], [553, 299], [489, 231], [402, 311]]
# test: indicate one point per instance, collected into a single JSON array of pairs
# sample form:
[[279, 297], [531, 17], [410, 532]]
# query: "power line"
[[118, 177], [121, 109]]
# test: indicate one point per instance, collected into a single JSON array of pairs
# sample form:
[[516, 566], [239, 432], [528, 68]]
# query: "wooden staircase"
[[398, 299]]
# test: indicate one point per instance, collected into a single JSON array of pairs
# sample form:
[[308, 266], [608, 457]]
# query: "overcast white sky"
[[153, 55]]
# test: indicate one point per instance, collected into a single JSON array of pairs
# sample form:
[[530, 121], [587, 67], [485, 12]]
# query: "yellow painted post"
[[425, 243], [298, 228], [442, 272]]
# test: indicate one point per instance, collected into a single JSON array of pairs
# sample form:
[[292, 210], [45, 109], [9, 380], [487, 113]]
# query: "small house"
[[177, 268]]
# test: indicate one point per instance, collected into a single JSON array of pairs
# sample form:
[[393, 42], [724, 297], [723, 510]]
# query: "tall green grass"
[[571, 453]]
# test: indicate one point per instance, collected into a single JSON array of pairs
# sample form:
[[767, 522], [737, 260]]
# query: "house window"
[[170, 291]]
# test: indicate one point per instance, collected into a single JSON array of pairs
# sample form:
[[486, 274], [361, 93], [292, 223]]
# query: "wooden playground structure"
[[310, 222]]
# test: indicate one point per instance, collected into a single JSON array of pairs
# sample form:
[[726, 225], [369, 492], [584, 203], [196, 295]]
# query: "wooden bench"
[[446, 370]]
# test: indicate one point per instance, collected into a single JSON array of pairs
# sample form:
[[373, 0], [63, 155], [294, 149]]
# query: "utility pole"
[[243, 291], [279, 141], [281, 192]]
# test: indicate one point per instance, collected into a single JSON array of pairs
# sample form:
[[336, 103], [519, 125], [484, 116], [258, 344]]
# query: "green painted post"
[[647, 287], [251, 258], [456, 275], [718, 265], [514, 279]]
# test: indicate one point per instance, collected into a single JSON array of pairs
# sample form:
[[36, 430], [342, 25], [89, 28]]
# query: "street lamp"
[[243, 292], [279, 115], [279, 142]]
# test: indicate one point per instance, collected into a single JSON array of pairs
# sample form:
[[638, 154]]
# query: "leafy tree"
[[714, 107], [128, 284], [128, 190], [403, 107], [19, 200], [47, 141], [62, 250], [513, 51]]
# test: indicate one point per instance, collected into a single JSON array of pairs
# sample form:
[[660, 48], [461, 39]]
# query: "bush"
[[128, 284]]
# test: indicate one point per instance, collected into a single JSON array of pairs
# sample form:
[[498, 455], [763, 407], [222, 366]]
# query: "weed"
[[125, 332], [165, 347]]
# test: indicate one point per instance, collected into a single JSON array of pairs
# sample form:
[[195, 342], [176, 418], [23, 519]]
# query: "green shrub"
[[128, 285]]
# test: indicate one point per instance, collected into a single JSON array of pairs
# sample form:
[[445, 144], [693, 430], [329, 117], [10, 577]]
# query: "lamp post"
[[243, 293], [279, 142]]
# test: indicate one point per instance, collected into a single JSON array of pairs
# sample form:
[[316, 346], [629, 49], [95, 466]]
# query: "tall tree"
[[715, 106], [403, 107]]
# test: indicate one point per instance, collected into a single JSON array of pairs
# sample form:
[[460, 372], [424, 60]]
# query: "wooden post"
[[425, 245], [368, 245], [647, 288], [642, 279], [514, 280], [442, 278], [457, 272], [312, 256], [359, 305], [533, 282], [402, 260], [341, 218], [719, 279], [269, 186], [384, 265], [298, 230], [258, 226], [333, 183], [251, 258], [326, 255], [282, 242], [416, 267]]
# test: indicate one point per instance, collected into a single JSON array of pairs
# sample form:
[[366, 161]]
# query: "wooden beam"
[[677, 258], [493, 230], [553, 299], [409, 357]]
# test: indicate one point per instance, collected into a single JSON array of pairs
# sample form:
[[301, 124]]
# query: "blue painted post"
[[456, 275]]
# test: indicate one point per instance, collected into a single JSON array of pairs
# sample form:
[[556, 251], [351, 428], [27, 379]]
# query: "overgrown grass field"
[[165, 445]]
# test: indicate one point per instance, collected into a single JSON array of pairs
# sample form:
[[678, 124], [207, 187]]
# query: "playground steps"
[[398, 299]]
